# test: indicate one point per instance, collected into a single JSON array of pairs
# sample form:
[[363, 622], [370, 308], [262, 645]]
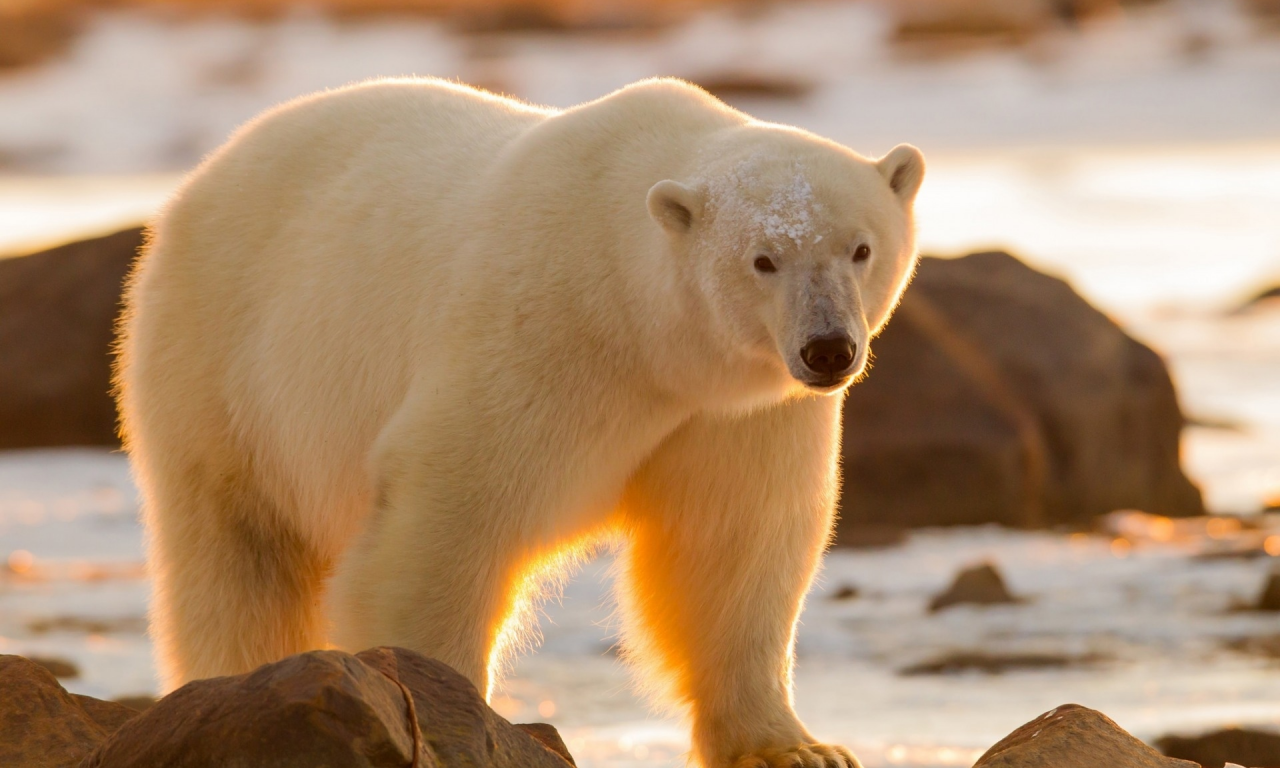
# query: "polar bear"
[[399, 348]]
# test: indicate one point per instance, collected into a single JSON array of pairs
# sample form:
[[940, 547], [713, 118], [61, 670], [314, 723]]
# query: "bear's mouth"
[[826, 385]]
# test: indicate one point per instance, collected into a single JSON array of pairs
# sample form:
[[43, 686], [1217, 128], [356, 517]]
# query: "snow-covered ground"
[[1143, 168], [1153, 622], [141, 93]]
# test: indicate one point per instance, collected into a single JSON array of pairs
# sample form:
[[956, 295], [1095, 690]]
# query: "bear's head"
[[799, 247]]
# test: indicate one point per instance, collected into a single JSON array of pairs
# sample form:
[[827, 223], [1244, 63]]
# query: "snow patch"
[[742, 200]]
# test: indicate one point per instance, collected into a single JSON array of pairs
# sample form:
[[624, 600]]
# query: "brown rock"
[[90, 626], [1267, 295], [1000, 395], [57, 667], [57, 312], [43, 726], [384, 707], [1267, 646], [869, 536], [1073, 736], [33, 32], [549, 737], [1255, 749], [1267, 14], [981, 584], [738, 87], [461, 729], [109, 715], [1269, 599], [846, 592], [138, 702], [318, 708], [948, 26], [995, 663]]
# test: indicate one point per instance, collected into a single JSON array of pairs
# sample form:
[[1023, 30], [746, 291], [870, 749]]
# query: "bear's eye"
[[861, 253], [765, 264]]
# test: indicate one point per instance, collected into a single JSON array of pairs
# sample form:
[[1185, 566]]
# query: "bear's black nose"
[[828, 355]]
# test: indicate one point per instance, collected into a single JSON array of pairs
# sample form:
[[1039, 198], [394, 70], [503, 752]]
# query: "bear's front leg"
[[728, 522]]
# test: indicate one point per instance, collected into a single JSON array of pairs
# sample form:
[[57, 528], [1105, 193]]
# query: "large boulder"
[[1242, 746], [382, 707], [998, 394], [57, 316], [43, 726], [1072, 736]]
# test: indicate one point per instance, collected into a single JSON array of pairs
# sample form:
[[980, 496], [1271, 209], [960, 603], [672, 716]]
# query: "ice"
[[42, 211], [1131, 81], [75, 512], [1160, 619]]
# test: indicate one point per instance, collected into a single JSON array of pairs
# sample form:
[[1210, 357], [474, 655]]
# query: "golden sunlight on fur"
[[541, 580], [400, 355]]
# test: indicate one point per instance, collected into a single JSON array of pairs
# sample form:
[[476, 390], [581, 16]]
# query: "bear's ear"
[[903, 168], [674, 206]]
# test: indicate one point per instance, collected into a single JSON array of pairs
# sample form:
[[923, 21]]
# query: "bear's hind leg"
[[234, 587]]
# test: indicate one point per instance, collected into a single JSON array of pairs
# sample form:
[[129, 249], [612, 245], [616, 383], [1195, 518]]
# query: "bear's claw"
[[805, 756]]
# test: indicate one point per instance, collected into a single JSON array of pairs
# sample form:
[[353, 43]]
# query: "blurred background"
[[1090, 405]]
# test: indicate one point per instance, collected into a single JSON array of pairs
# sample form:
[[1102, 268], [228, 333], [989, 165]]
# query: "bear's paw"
[[803, 756]]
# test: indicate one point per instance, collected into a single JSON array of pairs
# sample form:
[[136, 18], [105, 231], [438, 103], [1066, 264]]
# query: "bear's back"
[[412, 138], [344, 191], [331, 219]]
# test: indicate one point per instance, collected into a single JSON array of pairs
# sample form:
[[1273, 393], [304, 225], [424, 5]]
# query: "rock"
[[57, 315], [137, 702], [318, 708], [1267, 14], [981, 584], [869, 536], [1073, 736], [1269, 599], [43, 726], [995, 663], [1265, 296], [382, 707], [845, 592], [460, 728], [1267, 646], [549, 737], [31, 33], [109, 715], [948, 26], [1256, 749], [738, 87], [89, 626], [57, 667], [1245, 551], [998, 394]]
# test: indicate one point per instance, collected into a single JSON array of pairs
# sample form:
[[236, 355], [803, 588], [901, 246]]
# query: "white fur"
[[438, 342]]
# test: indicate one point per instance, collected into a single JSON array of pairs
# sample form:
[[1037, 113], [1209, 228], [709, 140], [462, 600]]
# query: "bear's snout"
[[830, 356]]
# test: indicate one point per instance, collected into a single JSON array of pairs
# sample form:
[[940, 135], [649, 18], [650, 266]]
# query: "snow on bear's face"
[[801, 251]]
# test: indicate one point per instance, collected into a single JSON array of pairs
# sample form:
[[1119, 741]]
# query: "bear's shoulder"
[[381, 96], [663, 100]]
